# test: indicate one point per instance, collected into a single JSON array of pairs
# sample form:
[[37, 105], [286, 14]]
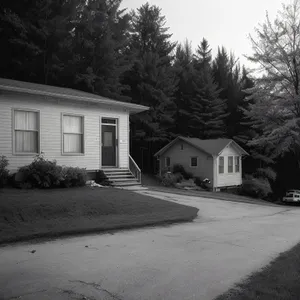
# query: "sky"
[[222, 23]]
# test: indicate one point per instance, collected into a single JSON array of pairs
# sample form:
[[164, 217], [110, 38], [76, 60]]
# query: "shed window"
[[230, 164], [167, 162], [26, 131], [194, 161], [221, 165], [73, 134], [181, 147], [237, 164]]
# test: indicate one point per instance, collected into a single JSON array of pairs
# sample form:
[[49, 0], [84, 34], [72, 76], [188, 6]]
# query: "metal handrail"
[[134, 169]]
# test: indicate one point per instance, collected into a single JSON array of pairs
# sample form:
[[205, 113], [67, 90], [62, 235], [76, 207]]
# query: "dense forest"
[[95, 46]]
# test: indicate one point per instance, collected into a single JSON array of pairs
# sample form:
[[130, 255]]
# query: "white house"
[[73, 127], [219, 160]]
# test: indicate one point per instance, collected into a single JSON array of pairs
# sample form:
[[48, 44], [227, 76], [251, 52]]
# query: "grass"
[[279, 280], [30, 214]]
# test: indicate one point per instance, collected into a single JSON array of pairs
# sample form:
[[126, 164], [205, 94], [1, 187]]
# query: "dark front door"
[[109, 146]]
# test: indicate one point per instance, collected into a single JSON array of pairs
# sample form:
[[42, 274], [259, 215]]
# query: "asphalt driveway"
[[198, 260]]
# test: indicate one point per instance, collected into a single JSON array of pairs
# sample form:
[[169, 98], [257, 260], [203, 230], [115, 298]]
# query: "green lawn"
[[278, 281], [29, 214]]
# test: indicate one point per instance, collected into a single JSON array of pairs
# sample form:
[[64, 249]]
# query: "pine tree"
[[226, 71], [209, 111], [151, 81], [97, 49], [183, 69], [32, 31]]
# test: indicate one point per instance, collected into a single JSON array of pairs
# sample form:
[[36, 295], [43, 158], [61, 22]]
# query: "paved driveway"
[[197, 260]]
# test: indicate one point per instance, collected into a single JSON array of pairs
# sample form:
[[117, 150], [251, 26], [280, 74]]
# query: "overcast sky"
[[221, 22]]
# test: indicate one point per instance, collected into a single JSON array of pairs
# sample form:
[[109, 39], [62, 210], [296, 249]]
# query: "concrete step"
[[125, 175], [124, 179], [114, 171], [126, 183]]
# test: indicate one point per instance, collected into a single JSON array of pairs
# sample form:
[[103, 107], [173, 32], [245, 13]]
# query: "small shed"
[[219, 160]]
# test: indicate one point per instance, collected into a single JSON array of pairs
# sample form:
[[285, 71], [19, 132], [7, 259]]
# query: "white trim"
[[62, 135], [24, 109], [117, 144]]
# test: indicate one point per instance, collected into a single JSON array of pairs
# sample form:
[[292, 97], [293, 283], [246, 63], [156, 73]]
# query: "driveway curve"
[[197, 260]]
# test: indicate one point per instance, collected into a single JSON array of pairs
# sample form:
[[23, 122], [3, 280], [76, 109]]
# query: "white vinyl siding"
[[228, 178], [26, 132], [50, 141], [73, 134]]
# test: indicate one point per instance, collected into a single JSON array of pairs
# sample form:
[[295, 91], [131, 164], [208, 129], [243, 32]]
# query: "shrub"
[[256, 187], [42, 173], [4, 173], [168, 179], [177, 168], [73, 177]]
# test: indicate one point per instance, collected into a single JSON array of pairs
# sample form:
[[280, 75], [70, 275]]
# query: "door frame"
[[116, 125]]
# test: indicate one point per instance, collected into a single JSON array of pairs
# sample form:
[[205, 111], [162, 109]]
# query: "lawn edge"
[[44, 237]]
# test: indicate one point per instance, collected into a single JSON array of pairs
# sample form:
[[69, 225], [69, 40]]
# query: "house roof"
[[65, 94], [212, 147]]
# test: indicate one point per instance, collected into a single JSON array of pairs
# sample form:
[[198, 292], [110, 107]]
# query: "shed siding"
[[182, 157], [229, 179], [51, 130]]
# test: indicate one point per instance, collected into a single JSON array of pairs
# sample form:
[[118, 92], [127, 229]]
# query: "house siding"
[[51, 111], [182, 157], [229, 179]]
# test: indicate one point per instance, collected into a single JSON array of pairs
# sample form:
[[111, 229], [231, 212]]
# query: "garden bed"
[[29, 214]]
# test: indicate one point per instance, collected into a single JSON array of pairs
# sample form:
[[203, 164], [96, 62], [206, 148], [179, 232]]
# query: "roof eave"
[[132, 108]]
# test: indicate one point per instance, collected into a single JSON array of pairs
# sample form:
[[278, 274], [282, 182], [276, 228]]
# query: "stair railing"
[[134, 169]]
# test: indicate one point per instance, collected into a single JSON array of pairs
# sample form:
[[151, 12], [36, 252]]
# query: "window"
[[181, 147], [221, 164], [230, 164], [237, 164], [194, 162], [73, 137], [26, 131], [168, 162]]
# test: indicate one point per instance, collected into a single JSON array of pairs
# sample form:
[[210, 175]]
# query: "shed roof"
[[212, 147], [65, 94]]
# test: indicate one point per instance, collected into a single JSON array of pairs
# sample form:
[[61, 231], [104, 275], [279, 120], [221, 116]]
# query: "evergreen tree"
[[32, 31], [183, 69], [226, 72], [151, 81], [209, 110]]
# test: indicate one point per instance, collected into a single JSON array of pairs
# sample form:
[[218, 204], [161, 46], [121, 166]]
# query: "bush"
[[169, 179], [256, 187], [73, 177], [42, 173], [4, 173], [102, 179], [177, 168]]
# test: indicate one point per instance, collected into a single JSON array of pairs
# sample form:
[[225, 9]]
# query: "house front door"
[[109, 143]]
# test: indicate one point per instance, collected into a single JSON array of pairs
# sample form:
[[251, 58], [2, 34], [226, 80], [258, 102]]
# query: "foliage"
[[101, 178], [177, 168], [209, 110], [168, 179], [4, 173], [42, 173], [276, 102], [256, 187]]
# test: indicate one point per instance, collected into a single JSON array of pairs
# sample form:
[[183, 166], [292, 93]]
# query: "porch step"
[[126, 183], [121, 177]]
